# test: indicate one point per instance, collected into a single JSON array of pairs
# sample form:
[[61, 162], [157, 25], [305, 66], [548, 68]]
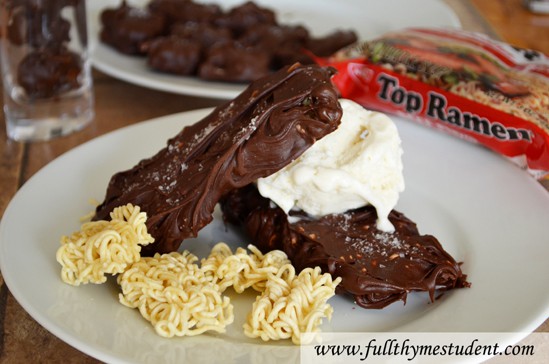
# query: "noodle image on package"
[[465, 83]]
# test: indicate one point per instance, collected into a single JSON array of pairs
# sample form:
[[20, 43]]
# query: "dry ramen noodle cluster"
[[104, 247], [180, 298], [174, 294]]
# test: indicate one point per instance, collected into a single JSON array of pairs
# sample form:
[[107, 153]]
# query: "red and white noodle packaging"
[[464, 83]]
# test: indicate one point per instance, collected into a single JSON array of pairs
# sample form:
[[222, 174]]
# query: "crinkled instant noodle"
[[457, 81]]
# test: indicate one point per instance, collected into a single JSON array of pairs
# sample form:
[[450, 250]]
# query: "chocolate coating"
[[174, 55], [327, 45], [180, 11], [38, 24], [242, 17], [283, 43], [266, 127], [377, 268], [206, 34], [231, 62], [126, 28], [48, 73]]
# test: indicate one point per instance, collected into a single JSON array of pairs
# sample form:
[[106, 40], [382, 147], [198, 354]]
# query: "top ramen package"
[[464, 83]]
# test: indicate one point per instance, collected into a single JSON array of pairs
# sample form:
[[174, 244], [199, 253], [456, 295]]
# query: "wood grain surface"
[[118, 104]]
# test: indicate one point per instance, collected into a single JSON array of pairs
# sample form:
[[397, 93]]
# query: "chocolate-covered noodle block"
[[262, 130], [377, 268]]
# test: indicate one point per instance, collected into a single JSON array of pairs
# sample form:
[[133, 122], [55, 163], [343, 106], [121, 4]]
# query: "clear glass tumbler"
[[46, 72]]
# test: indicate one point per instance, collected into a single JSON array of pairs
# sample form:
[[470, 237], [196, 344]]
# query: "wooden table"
[[119, 104]]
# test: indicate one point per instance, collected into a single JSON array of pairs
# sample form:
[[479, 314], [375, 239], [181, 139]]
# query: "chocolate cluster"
[[49, 68], [187, 38]]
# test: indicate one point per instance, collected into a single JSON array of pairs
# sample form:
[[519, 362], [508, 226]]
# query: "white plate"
[[367, 17], [485, 211]]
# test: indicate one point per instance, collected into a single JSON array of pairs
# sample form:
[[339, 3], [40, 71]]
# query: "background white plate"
[[485, 211], [368, 18]]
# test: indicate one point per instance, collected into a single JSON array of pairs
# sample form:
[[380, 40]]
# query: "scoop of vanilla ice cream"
[[358, 164]]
